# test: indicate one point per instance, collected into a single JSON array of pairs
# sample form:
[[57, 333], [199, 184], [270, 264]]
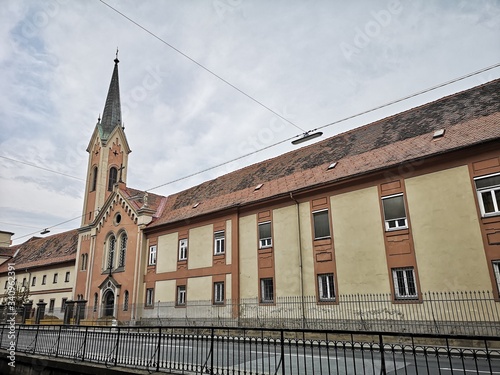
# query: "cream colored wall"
[[201, 247], [446, 232], [248, 257], [165, 291], [359, 243], [229, 243], [228, 286], [286, 252], [167, 253], [199, 288]]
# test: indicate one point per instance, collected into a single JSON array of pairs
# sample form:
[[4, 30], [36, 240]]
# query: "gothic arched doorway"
[[109, 303]]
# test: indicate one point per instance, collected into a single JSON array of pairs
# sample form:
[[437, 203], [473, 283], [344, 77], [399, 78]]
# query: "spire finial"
[[116, 58]]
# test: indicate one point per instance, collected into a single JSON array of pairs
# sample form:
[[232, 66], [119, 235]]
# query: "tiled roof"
[[469, 117], [35, 252], [136, 199]]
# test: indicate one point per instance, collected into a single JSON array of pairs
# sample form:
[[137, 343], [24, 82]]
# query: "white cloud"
[[57, 59]]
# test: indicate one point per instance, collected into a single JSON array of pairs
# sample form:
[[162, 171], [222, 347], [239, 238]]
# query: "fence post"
[[212, 351], [85, 343], [58, 341], [117, 345], [158, 350], [383, 370], [282, 354], [36, 338]]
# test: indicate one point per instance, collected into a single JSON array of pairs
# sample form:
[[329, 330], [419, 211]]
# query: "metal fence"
[[452, 313], [211, 350], [468, 313]]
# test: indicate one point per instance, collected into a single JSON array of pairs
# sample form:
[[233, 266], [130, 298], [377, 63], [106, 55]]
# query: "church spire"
[[112, 115]]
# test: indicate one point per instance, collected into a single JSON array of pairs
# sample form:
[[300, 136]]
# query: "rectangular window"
[[266, 290], [55, 278], [52, 303], [149, 296], [183, 248], [405, 286], [488, 193], [44, 279], [33, 281], [496, 271], [181, 295], [218, 292], [326, 289], [24, 282], [6, 284], [63, 304], [219, 245], [265, 237], [152, 255], [321, 224], [66, 278], [394, 212]]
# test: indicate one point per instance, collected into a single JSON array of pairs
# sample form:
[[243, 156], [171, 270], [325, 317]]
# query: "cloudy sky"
[[310, 62]]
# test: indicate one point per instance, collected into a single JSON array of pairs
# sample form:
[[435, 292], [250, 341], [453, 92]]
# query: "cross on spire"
[[121, 170]]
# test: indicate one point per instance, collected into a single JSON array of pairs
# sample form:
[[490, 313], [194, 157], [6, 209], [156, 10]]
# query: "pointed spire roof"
[[112, 114]]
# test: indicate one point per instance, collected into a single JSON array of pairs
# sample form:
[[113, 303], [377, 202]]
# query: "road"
[[193, 353]]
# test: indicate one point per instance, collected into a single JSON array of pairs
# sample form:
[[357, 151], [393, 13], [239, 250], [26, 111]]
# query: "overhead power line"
[[42, 168], [203, 67]]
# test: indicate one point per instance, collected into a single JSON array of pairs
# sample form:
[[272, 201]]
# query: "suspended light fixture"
[[307, 136]]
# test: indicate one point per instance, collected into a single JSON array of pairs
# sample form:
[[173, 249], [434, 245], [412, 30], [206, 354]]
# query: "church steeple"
[[112, 114]]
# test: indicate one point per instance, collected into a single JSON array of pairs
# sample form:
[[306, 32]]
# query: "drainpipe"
[[299, 236]]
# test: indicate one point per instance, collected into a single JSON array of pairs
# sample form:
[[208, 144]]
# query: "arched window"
[[125, 301], [111, 251], [94, 179], [113, 178], [84, 261], [123, 250], [95, 301]]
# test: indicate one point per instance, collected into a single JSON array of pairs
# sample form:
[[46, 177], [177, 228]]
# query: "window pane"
[[488, 202], [412, 290], [264, 230], [267, 292], [488, 182], [321, 224], [394, 208], [496, 193]]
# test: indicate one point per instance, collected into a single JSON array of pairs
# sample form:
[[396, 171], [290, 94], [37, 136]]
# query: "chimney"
[[5, 238]]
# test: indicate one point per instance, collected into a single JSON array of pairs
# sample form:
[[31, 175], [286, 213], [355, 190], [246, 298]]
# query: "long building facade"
[[401, 207]]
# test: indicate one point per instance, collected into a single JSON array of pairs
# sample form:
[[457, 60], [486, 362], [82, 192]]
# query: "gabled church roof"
[[469, 118], [111, 116]]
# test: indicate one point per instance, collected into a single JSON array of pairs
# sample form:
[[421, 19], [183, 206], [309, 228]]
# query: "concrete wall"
[[446, 232], [248, 257], [359, 242], [167, 253], [201, 246]]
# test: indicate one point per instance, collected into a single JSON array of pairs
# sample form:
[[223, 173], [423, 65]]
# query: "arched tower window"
[[94, 179], [111, 252], [125, 301], [113, 178], [123, 250], [96, 298]]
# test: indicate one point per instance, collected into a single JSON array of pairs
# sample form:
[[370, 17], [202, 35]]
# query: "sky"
[[204, 83]]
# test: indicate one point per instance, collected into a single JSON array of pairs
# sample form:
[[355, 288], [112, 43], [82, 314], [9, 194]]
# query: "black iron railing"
[[212, 350]]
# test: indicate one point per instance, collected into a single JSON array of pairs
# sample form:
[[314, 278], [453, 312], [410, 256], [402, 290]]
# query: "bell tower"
[[108, 153]]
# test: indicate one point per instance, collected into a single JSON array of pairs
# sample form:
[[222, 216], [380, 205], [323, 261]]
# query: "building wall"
[[248, 256], [359, 242], [448, 243], [199, 247]]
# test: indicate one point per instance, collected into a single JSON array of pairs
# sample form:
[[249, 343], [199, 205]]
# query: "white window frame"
[[267, 241], [314, 224], [183, 248], [388, 228], [150, 292], [493, 190], [181, 295], [496, 272], [54, 279], [407, 295], [52, 305], [67, 277], [152, 255], [327, 295], [219, 292], [219, 242], [263, 296]]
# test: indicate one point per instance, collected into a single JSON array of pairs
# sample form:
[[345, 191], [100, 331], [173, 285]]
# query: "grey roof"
[[112, 115]]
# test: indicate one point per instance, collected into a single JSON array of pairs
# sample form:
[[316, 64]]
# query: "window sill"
[[491, 218], [396, 229], [399, 300]]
